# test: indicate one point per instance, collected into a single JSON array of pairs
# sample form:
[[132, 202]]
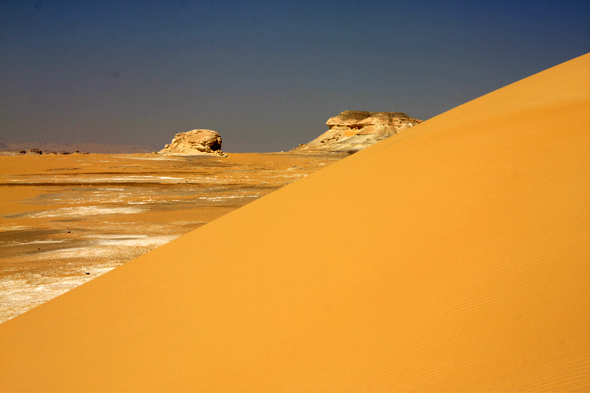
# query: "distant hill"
[[89, 147]]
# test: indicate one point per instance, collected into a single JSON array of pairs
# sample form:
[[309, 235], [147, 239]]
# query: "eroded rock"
[[195, 142], [13, 152], [352, 131]]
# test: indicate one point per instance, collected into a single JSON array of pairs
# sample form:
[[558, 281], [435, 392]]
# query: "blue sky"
[[265, 74]]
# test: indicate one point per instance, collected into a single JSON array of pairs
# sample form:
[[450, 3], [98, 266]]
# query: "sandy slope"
[[65, 219], [452, 258]]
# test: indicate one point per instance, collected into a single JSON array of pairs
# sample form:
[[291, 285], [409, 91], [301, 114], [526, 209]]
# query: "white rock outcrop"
[[195, 142], [352, 131]]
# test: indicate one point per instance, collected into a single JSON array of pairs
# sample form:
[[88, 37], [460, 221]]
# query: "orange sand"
[[454, 257], [65, 219]]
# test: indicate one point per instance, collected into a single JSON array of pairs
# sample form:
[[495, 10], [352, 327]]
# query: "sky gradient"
[[265, 74]]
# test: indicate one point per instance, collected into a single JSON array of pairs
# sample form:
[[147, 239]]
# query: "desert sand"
[[64, 220], [454, 257]]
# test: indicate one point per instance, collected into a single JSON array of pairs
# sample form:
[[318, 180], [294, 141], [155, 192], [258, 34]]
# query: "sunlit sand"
[[65, 219], [452, 257]]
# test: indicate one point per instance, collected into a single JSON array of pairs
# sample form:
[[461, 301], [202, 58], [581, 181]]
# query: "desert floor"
[[65, 220]]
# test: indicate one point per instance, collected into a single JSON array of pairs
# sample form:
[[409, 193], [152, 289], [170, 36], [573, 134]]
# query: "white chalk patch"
[[86, 211], [8, 228], [15, 243], [20, 294], [221, 198], [105, 246]]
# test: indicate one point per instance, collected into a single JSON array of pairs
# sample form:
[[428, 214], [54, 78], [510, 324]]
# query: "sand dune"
[[451, 258], [65, 219]]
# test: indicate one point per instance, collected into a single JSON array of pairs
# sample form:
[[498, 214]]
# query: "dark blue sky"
[[265, 74]]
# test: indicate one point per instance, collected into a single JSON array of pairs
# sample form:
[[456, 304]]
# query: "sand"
[[64, 220], [451, 258]]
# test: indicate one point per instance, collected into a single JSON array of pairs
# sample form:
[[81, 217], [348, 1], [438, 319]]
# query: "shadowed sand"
[[450, 258]]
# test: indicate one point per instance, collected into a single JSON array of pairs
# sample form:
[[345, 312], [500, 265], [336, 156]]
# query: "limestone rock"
[[13, 152], [34, 151], [352, 131], [195, 142]]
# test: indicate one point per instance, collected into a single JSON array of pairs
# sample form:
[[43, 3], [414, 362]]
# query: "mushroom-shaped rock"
[[195, 142]]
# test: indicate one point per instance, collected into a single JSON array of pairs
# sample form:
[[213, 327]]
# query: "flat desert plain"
[[451, 258], [64, 220]]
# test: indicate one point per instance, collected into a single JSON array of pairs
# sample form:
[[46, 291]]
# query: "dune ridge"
[[450, 258]]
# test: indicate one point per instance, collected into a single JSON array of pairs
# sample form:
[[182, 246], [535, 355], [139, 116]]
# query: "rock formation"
[[13, 152], [352, 131], [195, 142]]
